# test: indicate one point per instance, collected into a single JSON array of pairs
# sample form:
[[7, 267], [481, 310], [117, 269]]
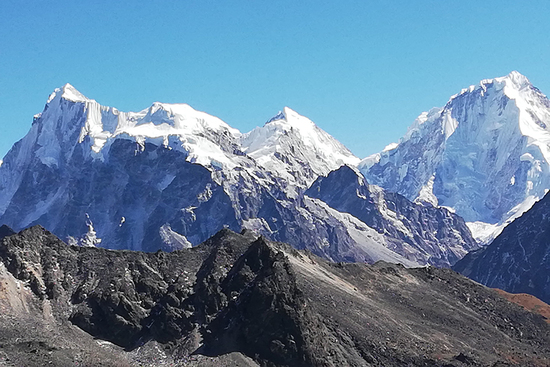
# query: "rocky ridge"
[[518, 260], [241, 300], [424, 233]]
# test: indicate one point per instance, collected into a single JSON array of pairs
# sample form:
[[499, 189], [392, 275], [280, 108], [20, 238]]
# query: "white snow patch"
[[191, 210], [166, 181], [173, 239], [369, 161], [526, 157], [89, 239], [426, 194], [485, 233], [390, 146], [206, 194], [258, 225]]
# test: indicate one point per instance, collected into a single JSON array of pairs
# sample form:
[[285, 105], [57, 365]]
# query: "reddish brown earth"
[[528, 302]]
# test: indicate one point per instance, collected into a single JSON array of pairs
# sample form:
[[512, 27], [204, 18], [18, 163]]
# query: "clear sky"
[[362, 70]]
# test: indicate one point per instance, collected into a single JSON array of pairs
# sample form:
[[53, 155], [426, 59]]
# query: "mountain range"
[[464, 188], [169, 177]]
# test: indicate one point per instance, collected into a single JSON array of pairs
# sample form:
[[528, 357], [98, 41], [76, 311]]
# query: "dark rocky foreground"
[[238, 300]]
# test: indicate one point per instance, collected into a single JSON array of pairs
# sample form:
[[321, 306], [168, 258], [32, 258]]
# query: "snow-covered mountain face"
[[486, 154], [296, 148], [169, 177]]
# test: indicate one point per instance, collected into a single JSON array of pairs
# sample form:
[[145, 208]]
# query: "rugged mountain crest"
[[242, 300], [518, 260], [484, 154], [423, 233], [169, 177]]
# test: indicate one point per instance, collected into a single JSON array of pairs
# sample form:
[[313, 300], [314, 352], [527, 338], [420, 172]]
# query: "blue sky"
[[362, 70]]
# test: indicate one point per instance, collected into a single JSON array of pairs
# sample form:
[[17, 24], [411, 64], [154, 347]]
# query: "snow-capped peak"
[[486, 152], [69, 93], [510, 83], [292, 119], [292, 140], [516, 78]]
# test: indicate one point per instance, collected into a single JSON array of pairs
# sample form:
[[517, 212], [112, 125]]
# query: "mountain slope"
[[485, 154], [246, 301], [169, 177], [423, 233], [518, 260]]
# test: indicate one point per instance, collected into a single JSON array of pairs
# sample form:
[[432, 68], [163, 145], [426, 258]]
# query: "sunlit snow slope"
[[485, 154]]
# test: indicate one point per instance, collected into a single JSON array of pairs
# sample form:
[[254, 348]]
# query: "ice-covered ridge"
[[202, 135], [485, 153], [290, 138], [289, 144]]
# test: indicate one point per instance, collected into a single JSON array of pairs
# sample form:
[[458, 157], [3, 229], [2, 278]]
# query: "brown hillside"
[[528, 302]]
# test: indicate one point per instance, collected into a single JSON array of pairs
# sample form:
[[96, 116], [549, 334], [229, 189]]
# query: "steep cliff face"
[[518, 260], [242, 300], [484, 154]]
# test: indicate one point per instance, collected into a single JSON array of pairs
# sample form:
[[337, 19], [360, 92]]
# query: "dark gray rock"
[[6, 231], [241, 300], [518, 260], [420, 231]]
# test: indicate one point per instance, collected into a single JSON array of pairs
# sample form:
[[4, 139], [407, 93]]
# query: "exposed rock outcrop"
[[238, 299]]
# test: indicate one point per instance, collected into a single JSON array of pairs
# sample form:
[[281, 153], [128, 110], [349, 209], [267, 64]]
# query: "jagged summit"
[[291, 137], [69, 93], [291, 119], [511, 84], [279, 116], [514, 78], [517, 78], [205, 138]]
